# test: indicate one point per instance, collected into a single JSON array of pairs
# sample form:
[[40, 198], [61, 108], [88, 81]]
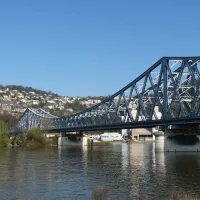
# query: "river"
[[130, 171]]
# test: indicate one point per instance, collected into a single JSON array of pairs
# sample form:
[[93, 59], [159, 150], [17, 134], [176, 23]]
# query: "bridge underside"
[[165, 94]]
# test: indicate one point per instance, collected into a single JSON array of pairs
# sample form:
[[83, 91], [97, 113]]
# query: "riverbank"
[[32, 138]]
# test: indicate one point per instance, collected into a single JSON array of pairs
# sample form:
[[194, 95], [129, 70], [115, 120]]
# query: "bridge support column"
[[190, 143], [84, 140], [72, 140], [177, 142], [159, 141]]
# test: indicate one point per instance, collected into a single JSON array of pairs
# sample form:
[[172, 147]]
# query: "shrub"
[[4, 137], [36, 135], [19, 140]]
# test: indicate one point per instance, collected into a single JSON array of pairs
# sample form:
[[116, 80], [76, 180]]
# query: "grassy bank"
[[33, 137]]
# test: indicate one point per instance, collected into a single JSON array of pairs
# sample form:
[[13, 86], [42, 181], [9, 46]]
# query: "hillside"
[[21, 88], [14, 99]]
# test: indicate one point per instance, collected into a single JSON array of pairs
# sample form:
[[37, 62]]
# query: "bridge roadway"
[[165, 94], [185, 122]]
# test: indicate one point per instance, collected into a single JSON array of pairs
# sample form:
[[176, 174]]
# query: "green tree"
[[9, 119]]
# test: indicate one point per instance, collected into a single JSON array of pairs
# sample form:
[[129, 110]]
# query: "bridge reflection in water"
[[131, 171]]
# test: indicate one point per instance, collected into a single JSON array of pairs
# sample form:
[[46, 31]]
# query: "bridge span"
[[166, 94]]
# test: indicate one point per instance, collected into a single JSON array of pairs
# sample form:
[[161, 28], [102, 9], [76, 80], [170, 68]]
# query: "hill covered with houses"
[[15, 99]]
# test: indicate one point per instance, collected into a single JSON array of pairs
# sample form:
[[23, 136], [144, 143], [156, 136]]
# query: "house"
[[35, 102], [6, 98], [50, 107], [6, 107], [20, 96], [23, 100], [32, 93], [21, 110], [61, 107], [41, 97], [51, 102], [12, 94]]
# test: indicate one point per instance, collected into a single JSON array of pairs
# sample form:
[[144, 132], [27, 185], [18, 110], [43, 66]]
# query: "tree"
[[9, 120]]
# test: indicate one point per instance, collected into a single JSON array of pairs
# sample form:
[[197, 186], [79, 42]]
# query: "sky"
[[91, 47]]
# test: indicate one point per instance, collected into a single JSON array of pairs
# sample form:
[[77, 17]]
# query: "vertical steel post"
[[27, 120], [165, 98]]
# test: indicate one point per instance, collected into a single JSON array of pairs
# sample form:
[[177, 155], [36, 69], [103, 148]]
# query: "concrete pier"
[[159, 143], [175, 143], [190, 143], [73, 141]]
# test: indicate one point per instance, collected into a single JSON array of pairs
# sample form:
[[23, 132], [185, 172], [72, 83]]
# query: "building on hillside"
[[6, 107], [51, 102], [35, 102], [20, 96], [61, 107], [32, 93], [6, 98], [50, 107], [23, 100]]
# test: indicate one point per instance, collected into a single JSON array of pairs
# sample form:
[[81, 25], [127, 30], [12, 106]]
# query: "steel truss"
[[36, 118], [166, 93]]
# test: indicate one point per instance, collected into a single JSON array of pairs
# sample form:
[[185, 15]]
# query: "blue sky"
[[91, 47]]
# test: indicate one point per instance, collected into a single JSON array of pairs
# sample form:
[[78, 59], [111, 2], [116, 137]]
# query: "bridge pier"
[[190, 143], [72, 140], [177, 142]]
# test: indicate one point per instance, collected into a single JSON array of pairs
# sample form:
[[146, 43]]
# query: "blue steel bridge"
[[166, 94]]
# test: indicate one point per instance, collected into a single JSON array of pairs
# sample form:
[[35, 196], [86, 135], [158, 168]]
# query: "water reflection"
[[131, 171], [183, 171], [143, 170]]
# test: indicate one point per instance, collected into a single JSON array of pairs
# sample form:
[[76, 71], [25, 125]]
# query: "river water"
[[130, 171]]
